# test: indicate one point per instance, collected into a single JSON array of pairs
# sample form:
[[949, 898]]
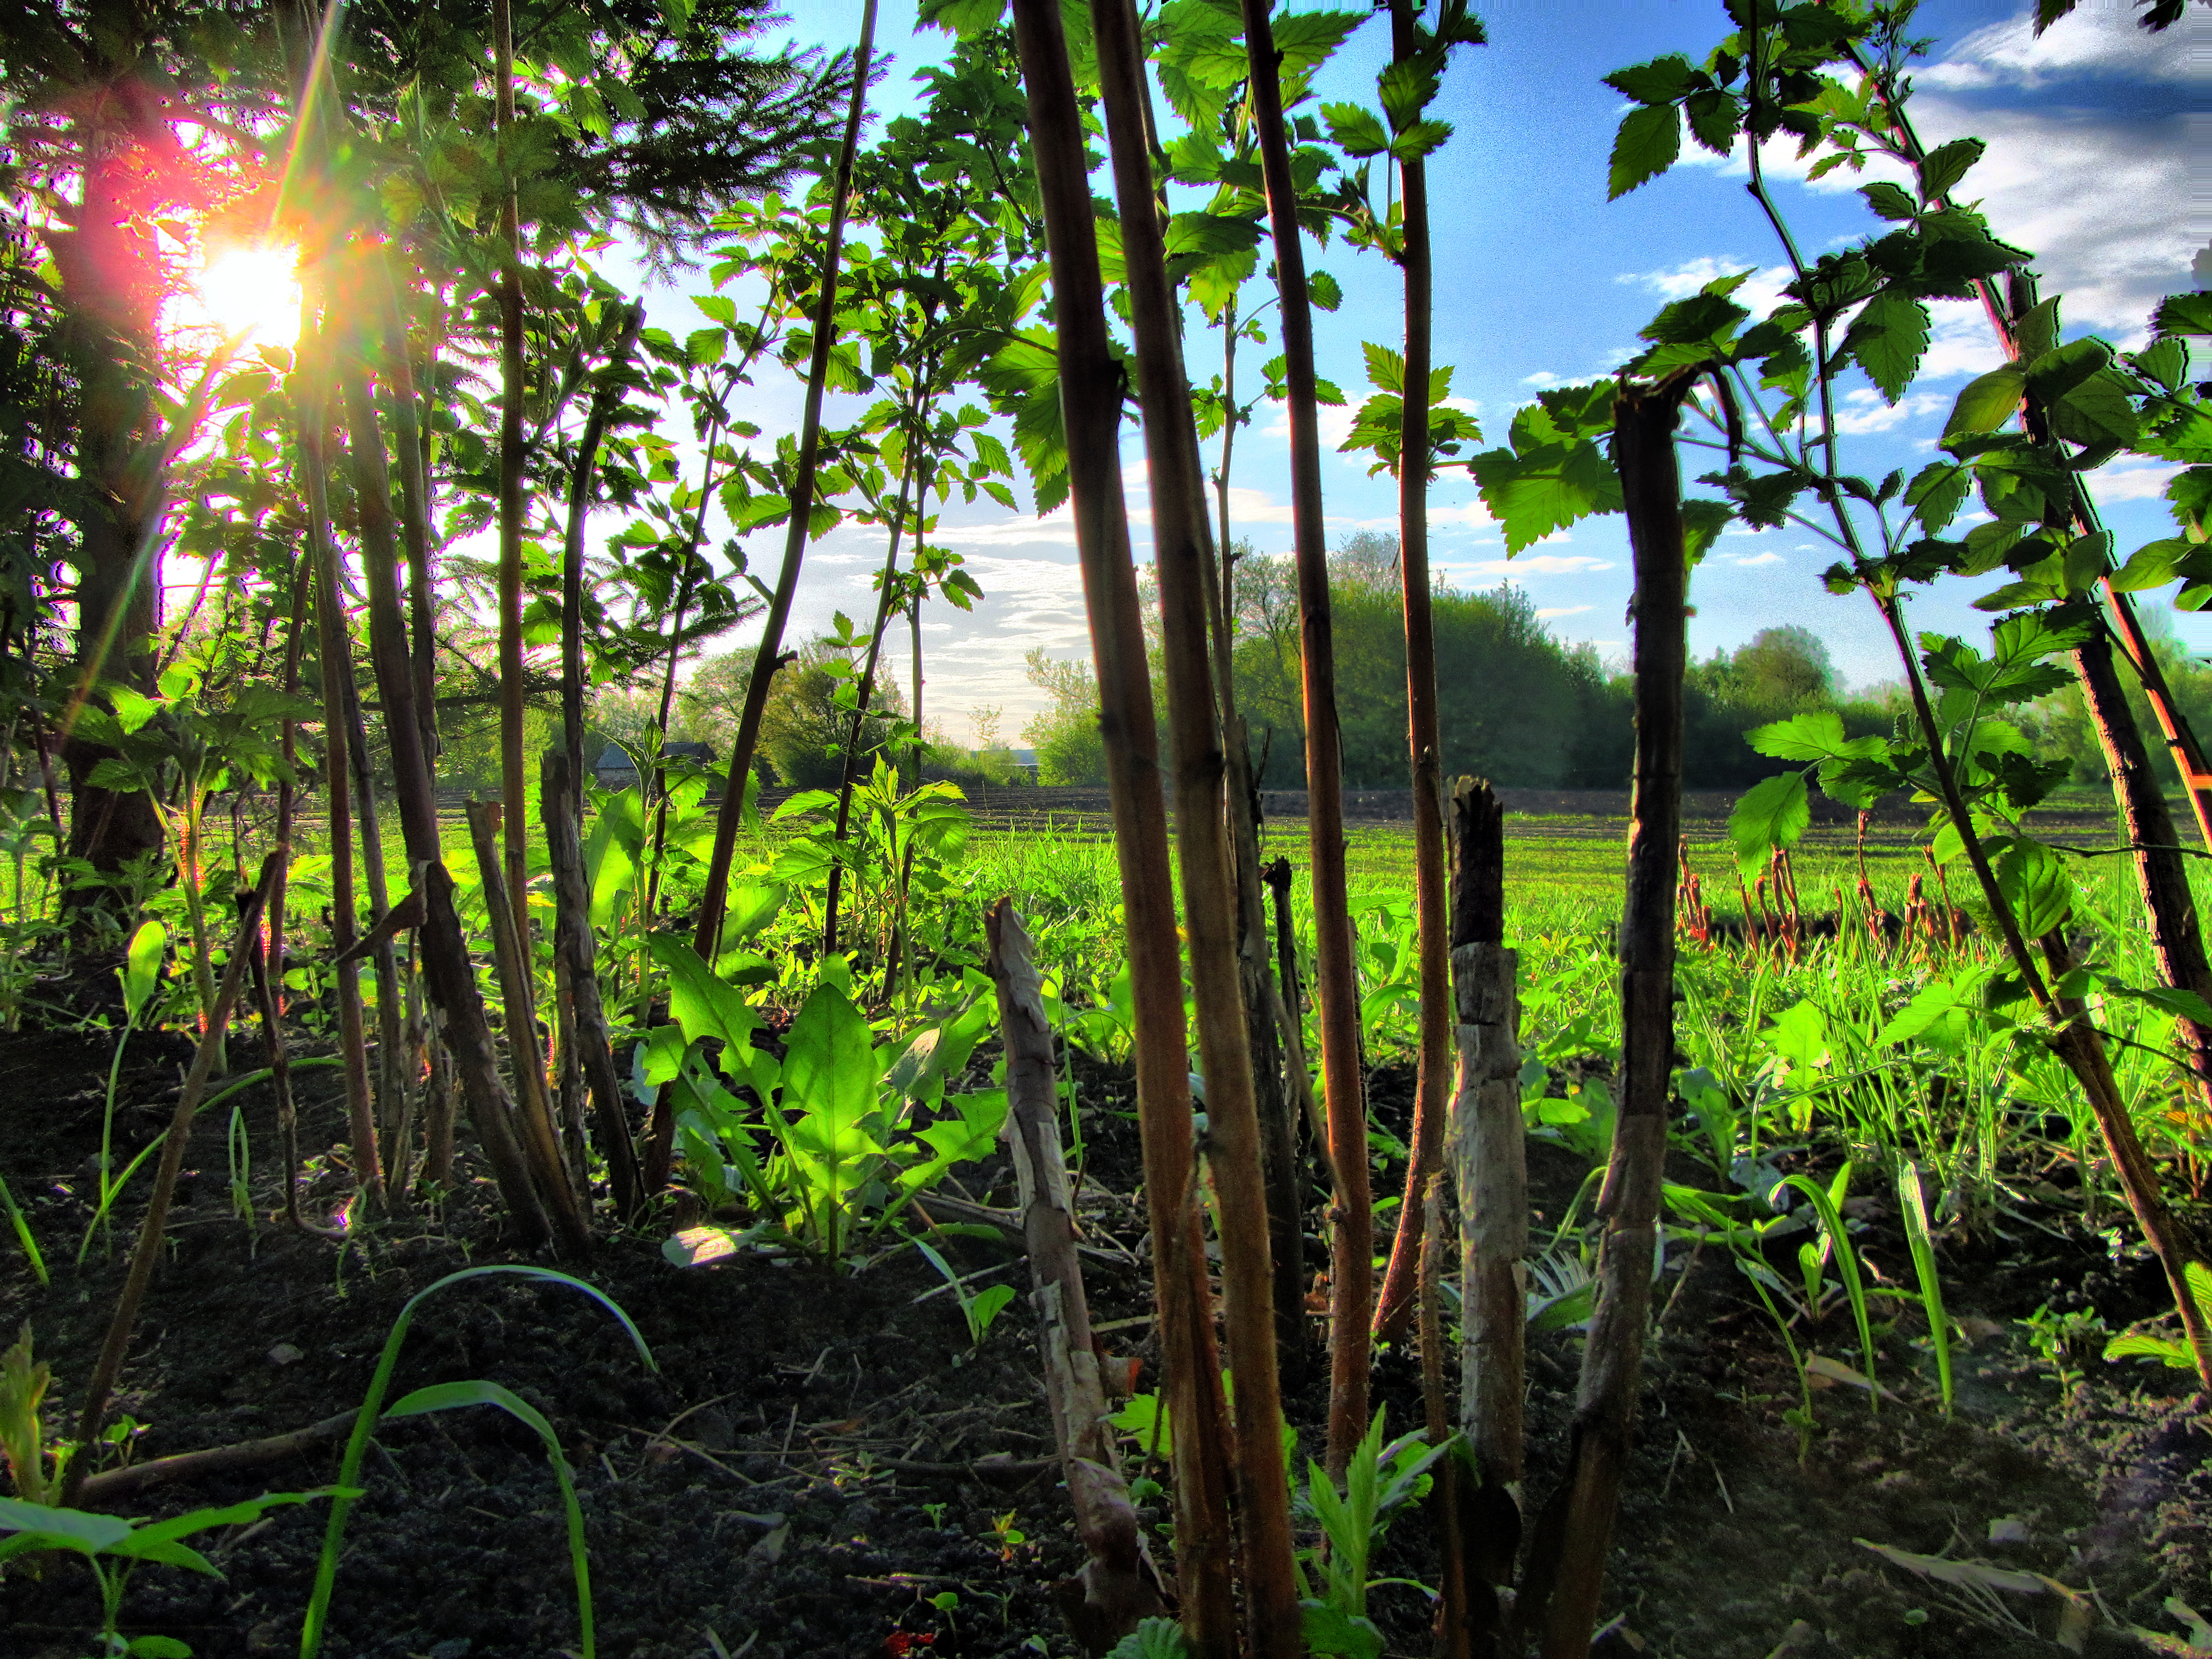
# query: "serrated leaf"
[[1650, 139], [1889, 337], [1942, 169], [1659, 82], [1774, 813], [2183, 313], [1889, 201]]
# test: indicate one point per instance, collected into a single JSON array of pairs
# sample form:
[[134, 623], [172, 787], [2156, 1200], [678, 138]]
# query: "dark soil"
[[818, 1462]]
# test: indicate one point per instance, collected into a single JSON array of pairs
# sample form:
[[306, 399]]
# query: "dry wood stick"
[[1489, 1159], [1117, 1585], [1577, 1533], [1090, 400], [513, 794], [1336, 985], [148, 1251], [113, 1486]]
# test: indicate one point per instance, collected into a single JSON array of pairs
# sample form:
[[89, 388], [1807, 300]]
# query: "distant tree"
[[1070, 749]]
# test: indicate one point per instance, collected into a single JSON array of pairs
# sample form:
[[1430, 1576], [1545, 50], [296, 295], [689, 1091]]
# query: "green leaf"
[[1330, 1630], [1816, 734], [2170, 999], [1989, 402], [1889, 337], [1943, 1008], [74, 1529], [829, 1076], [1702, 521], [1650, 139], [2037, 884], [141, 969], [2151, 566], [1661, 80], [1355, 129], [1386, 369], [1533, 494], [1890, 200], [1936, 493], [702, 1004], [1153, 1639], [156, 1647], [2183, 313], [1774, 813], [1942, 169]]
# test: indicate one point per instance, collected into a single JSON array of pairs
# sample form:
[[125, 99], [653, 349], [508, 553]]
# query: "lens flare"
[[252, 291]]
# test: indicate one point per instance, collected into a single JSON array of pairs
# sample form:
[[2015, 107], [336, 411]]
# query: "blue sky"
[[2099, 160]]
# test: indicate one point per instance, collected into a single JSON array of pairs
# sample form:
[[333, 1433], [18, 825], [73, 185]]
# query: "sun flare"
[[251, 290]]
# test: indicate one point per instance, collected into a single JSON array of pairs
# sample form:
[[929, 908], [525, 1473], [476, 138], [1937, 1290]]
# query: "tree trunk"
[[1352, 1225], [1209, 890], [574, 944], [1090, 400], [1432, 1091], [767, 659], [1577, 1534], [603, 402]]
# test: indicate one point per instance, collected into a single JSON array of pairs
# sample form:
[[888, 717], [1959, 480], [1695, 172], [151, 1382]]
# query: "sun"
[[250, 290]]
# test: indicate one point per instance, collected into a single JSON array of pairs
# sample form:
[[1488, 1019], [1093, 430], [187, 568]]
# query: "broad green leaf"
[[1814, 735], [1650, 139], [1889, 337], [2183, 313], [1942, 169], [1890, 200], [1153, 1639], [830, 1078], [2151, 566], [76, 1529], [1661, 80], [1703, 520], [1355, 129], [1939, 1013], [1936, 493], [1987, 403], [1534, 494], [1773, 812], [703, 1006], [2037, 884]]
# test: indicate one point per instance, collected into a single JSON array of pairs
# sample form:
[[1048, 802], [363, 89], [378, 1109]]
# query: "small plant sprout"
[[22, 1438], [982, 1309], [445, 1397], [112, 1547]]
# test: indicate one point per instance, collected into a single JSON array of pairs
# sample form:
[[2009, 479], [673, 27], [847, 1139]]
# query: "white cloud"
[[1760, 296], [2113, 211], [1543, 379], [2120, 483], [1542, 564], [1556, 611], [1863, 410], [1756, 560], [1334, 420], [2102, 39]]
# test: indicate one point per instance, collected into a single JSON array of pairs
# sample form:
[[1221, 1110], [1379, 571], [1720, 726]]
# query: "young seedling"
[[112, 1547], [443, 1397], [982, 1309]]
